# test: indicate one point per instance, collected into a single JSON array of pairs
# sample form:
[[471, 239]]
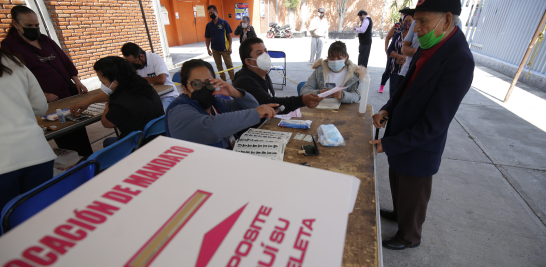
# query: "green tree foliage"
[[291, 3], [394, 15]]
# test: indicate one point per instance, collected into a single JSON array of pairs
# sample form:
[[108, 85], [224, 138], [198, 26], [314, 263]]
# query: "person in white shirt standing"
[[319, 35], [151, 67], [364, 37], [27, 158]]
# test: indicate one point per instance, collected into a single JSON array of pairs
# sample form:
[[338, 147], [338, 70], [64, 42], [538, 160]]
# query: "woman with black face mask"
[[54, 71], [201, 117]]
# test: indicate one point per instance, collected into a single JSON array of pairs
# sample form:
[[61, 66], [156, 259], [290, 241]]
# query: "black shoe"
[[388, 214], [394, 244]]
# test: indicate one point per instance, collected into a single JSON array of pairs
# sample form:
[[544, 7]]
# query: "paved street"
[[488, 201]]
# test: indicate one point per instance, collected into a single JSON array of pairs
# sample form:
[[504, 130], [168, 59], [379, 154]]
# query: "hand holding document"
[[331, 91]]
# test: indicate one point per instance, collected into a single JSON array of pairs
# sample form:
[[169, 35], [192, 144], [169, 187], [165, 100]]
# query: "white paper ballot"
[[331, 91]]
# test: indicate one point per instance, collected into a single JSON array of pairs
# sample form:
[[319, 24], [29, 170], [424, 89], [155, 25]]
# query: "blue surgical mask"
[[105, 89], [336, 65]]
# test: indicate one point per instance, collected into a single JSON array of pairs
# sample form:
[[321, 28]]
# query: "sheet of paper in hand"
[[331, 91]]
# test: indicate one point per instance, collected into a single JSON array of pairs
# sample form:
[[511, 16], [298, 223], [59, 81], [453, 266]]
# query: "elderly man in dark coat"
[[419, 115]]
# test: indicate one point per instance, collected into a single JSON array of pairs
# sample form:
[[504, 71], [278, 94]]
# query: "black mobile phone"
[[311, 150], [330, 86]]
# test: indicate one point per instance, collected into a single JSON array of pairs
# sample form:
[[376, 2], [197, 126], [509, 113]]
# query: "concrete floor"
[[488, 201]]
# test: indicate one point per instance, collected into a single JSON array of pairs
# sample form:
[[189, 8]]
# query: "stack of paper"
[[263, 143], [95, 109]]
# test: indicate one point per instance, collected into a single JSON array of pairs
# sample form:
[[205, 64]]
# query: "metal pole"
[[526, 57], [382, 19], [478, 17], [146, 25], [472, 7]]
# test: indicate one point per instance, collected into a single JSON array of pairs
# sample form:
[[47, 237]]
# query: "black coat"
[[419, 119], [263, 90]]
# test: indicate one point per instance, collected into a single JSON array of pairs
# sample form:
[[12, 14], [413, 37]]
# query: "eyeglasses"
[[198, 85], [44, 59]]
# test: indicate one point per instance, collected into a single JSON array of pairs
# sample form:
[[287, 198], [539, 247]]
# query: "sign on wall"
[[241, 10], [262, 9], [200, 10]]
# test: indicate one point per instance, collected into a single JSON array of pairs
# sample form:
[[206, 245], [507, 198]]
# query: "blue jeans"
[[17, 182], [166, 101]]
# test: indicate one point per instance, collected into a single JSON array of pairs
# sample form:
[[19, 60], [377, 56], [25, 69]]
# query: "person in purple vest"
[[199, 116]]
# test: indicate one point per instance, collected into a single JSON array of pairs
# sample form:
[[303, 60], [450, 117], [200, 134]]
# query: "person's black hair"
[[362, 12], [337, 48], [246, 18], [118, 69], [15, 12], [132, 49], [246, 48], [9, 56], [189, 65], [213, 7]]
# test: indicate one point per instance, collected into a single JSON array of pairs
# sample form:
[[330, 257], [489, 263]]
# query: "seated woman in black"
[[132, 101]]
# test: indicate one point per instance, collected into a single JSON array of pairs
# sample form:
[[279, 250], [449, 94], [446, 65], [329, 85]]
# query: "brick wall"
[[92, 29], [5, 17]]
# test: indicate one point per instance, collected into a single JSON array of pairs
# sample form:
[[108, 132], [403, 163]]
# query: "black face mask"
[[212, 16], [31, 33], [204, 97]]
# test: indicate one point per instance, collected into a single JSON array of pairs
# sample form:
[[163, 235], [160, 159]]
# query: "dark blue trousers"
[[23, 180]]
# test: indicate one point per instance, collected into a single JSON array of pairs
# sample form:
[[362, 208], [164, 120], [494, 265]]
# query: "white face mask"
[[336, 65], [263, 62], [105, 89], [244, 25]]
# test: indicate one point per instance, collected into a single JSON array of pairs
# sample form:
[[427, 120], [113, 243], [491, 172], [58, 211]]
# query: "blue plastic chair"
[[300, 85], [279, 54], [177, 78], [26, 205], [115, 152], [153, 128]]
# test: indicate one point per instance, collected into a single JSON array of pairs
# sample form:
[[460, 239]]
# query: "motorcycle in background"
[[277, 31]]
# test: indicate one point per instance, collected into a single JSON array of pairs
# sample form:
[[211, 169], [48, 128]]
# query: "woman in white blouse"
[[26, 159]]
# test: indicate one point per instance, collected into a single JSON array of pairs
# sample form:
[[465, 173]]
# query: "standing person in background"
[[54, 71], [151, 67], [364, 37], [397, 59], [245, 30], [218, 36], [27, 158], [395, 29], [319, 35]]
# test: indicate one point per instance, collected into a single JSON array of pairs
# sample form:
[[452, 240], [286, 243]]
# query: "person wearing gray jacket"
[[336, 71]]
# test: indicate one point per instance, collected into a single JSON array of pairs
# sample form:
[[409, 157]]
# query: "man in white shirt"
[[364, 37], [151, 67], [319, 34]]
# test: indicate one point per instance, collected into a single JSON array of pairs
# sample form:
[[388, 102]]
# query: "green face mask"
[[429, 40]]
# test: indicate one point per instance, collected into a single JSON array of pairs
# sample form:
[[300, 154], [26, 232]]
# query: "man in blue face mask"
[[419, 115]]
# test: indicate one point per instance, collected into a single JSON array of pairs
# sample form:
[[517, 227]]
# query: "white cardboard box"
[[212, 207]]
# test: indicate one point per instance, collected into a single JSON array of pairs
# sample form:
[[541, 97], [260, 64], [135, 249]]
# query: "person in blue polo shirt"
[[218, 35]]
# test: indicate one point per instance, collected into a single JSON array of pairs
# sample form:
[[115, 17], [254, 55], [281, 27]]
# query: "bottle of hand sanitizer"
[[60, 115], [365, 87]]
